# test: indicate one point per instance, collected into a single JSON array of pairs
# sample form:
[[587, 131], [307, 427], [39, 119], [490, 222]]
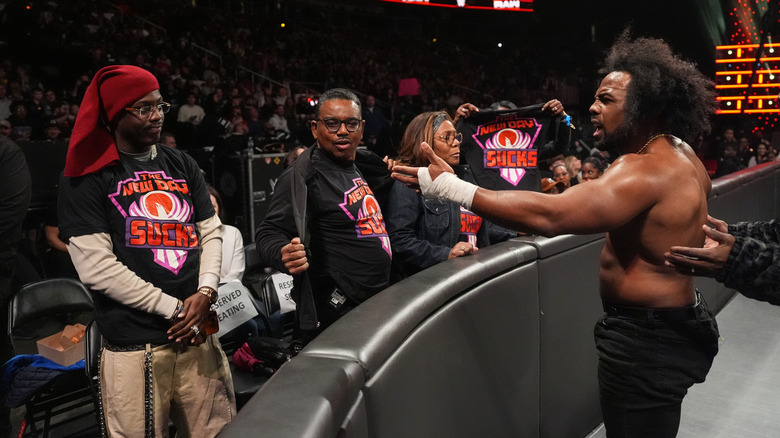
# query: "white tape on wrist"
[[447, 186]]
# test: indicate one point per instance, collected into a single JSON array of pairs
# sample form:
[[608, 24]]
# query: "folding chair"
[[38, 310], [281, 325]]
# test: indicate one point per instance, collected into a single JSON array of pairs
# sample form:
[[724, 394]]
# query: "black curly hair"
[[664, 89]]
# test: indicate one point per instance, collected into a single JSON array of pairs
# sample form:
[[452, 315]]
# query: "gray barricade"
[[495, 344]]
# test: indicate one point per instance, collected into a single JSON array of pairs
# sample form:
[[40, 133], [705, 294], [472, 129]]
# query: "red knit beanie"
[[113, 88]]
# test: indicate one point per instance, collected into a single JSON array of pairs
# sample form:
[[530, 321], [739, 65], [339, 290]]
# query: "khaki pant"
[[192, 387]]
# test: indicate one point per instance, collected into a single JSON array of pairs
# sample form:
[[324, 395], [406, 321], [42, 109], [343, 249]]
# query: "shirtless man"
[[657, 337]]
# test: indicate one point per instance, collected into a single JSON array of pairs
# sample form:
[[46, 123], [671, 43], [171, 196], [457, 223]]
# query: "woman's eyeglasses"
[[450, 138]]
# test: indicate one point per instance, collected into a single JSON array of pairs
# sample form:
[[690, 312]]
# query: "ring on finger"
[[195, 329]]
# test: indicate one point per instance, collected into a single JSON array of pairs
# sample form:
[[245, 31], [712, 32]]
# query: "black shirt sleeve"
[[81, 206], [278, 227], [753, 265]]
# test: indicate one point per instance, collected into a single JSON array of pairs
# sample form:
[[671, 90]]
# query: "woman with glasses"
[[424, 232]]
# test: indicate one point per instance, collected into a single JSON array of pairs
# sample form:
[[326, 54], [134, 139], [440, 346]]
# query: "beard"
[[616, 140]]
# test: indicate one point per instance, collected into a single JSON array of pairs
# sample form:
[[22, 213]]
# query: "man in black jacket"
[[324, 225]]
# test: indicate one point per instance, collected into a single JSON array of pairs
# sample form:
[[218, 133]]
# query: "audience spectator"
[[168, 139], [238, 125], [424, 232], [761, 154], [727, 138], [50, 102], [24, 127], [259, 95], [573, 166], [14, 200], [232, 243], [74, 111], [729, 162], [36, 108], [773, 155], [15, 92], [292, 156], [6, 129], [233, 266], [561, 175], [280, 98], [340, 255], [79, 88], [56, 257], [551, 187], [65, 119], [51, 131], [745, 150], [26, 82], [215, 104], [253, 122], [592, 168], [376, 123], [191, 112], [151, 302], [279, 121]]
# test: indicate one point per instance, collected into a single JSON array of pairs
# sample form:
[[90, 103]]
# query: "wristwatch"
[[209, 292]]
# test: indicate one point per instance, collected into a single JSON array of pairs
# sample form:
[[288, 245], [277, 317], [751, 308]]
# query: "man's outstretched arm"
[[600, 205]]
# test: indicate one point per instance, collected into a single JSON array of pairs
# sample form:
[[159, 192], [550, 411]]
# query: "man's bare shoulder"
[[662, 160], [632, 170]]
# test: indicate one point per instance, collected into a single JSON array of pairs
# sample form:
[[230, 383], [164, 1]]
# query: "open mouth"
[[598, 129], [342, 144]]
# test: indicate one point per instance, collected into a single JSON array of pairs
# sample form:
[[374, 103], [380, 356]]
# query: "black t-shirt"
[[149, 209], [14, 197], [349, 241]]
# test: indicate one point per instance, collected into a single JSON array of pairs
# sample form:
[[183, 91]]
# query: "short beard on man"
[[614, 142]]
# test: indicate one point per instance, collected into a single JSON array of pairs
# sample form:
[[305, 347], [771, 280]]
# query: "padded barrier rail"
[[495, 344]]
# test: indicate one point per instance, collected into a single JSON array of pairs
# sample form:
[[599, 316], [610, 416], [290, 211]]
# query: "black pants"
[[329, 309], [646, 366]]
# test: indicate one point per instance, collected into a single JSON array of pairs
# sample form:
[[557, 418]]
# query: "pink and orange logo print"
[[361, 206], [508, 145], [158, 217]]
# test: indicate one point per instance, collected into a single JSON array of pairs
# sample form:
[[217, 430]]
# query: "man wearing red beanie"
[[145, 239]]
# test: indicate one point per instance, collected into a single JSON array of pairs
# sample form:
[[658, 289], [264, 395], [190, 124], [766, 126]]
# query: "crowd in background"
[[247, 77], [230, 61], [239, 80]]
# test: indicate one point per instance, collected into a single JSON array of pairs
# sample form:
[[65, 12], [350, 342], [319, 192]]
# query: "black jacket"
[[270, 238], [753, 265]]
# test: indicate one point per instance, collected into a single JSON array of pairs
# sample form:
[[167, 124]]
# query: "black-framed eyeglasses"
[[333, 125], [450, 138], [146, 110]]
